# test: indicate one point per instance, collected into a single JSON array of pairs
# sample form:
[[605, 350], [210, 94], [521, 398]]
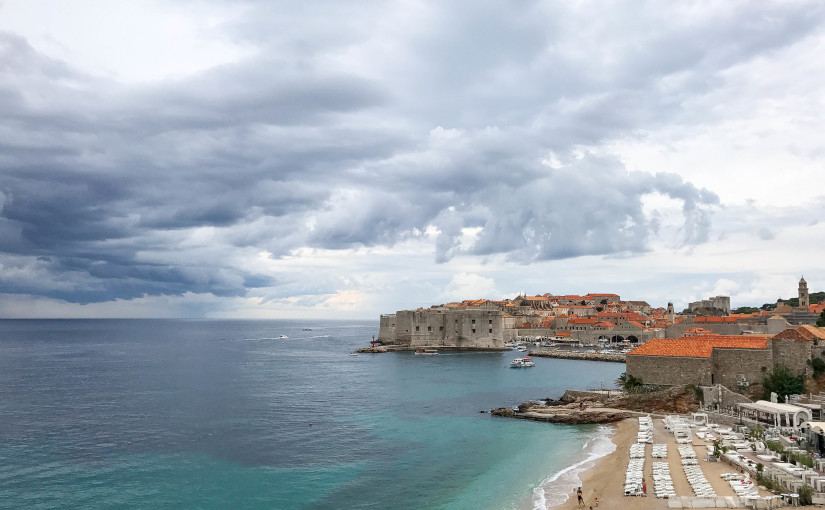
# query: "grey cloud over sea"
[[353, 126]]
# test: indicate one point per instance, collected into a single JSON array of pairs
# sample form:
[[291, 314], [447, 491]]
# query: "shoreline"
[[605, 478]]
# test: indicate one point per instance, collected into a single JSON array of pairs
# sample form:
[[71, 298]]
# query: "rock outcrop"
[[570, 415], [585, 356]]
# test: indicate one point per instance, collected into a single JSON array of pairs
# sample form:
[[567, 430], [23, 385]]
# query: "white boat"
[[525, 362], [353, 354], [283, 336], [427, 352]]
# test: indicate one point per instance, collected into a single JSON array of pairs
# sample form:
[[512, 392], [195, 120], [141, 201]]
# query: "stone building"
[[718, 302], [466, 328], [733, 361]]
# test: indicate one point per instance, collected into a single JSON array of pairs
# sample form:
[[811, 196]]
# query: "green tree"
[[603, 301], [806, 493], [629, 383], [820, 322], [817, 365], [783, 382], [746, 309]]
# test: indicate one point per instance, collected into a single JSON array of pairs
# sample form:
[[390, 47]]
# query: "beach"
[[605, 480]]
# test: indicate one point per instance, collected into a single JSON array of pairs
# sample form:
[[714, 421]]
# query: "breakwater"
[[586, 356]]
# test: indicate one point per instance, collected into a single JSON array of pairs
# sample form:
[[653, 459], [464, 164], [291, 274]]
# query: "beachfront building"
[[774, 414], [730, 360]]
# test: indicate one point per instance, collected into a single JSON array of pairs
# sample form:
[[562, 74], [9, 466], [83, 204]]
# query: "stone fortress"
[[600, 320]]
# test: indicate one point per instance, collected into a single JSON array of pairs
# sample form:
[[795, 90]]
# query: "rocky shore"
[[586, 356], [569, 414]]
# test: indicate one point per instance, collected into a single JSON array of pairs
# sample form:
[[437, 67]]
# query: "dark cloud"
[[359, 126]]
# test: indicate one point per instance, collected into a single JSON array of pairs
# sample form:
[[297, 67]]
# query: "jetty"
[[585, 356]]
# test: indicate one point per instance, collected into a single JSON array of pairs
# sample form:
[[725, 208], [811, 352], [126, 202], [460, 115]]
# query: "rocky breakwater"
[[586, 356], [373, 350], [570, 414]]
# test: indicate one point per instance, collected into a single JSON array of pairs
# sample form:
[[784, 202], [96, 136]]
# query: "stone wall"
[[668, 370], [730, 366], [719, 397], [793, 354], [441, 327]]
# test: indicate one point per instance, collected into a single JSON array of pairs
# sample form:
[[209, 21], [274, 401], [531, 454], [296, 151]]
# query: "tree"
[[820, 322], [629, 383], [746, 309], [599, 308], [603, 301], [817, 365], [783, 382]]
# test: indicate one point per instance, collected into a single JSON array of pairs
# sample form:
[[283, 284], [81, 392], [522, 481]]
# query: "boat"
[[427, 352], [307, 329], [525, 362], [283, 336], [353, 354]]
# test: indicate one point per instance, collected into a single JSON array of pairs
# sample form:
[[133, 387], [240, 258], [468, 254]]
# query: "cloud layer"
[[483, 133]]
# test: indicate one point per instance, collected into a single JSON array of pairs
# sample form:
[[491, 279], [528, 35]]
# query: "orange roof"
[[581, 321], [604, 324], [699, 346], [715, 319]]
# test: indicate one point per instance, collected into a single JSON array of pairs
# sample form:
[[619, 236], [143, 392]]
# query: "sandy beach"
[[605, 480]]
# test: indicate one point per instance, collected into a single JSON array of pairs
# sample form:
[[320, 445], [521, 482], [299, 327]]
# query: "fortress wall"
[[440, 327], [731, 365], [793, 354], [669, 371]]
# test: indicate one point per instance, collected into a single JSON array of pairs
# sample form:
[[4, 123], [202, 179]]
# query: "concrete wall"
[[669, 370], [720, 397]]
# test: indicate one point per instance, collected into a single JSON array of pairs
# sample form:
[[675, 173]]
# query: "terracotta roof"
[[715, 319], [802, 333], [698, 347], [604, 324], [581, 321]]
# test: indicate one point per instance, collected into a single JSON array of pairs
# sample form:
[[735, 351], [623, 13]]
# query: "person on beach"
[[579, 496]]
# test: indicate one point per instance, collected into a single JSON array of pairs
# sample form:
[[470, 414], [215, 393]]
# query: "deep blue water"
[[216, 414]]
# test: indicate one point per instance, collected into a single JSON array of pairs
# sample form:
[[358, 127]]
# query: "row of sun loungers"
[[741, 484], [662, 482], [700, 485], [659, 451], [634, 476], [645, 434]]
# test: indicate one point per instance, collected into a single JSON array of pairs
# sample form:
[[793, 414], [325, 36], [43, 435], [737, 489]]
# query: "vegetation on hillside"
[[782, 381]]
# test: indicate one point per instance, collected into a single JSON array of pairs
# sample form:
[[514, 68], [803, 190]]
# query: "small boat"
[[427, 352], [353, 354], [283, 336], [525, 362], [307, 329]]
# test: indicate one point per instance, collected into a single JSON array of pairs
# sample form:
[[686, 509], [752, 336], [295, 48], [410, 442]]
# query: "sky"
[[328, 159]]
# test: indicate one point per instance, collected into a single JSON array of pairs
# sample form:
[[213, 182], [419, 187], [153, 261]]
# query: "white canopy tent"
[[773, 413]]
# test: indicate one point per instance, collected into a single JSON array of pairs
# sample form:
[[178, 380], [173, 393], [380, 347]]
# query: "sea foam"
[[557, 488]]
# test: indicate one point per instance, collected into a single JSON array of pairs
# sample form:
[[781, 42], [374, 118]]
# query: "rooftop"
[[698, 346]]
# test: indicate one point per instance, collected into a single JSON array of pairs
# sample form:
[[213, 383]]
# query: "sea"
[[224, 414]]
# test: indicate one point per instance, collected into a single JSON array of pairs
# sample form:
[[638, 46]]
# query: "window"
[[490, 321], [441, 328], [429, 328], [417, 328], [491, 330], [474, 321], [474, 330]]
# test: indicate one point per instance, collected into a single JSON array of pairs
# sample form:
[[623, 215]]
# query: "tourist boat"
[[427, 352], [524, 362]]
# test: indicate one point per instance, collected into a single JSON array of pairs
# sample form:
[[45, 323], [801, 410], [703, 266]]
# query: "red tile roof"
[[698, 347], [715, 319]]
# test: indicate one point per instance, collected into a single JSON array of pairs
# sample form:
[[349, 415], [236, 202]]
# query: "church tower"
[[671, 317], [804, 301]]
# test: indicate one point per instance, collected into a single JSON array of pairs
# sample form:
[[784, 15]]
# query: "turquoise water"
[[216, 414]]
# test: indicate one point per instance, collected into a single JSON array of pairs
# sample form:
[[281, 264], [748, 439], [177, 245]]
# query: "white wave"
[[560, 485]]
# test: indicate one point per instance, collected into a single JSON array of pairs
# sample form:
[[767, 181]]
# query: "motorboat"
[[427, 352], [283, 336], [524, 362]]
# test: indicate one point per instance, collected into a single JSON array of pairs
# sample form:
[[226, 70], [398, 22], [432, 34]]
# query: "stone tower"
[[671, 316], [804, 301]]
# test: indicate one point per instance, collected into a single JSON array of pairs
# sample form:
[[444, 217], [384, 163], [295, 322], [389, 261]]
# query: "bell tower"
[[804, 301], [671, 317]]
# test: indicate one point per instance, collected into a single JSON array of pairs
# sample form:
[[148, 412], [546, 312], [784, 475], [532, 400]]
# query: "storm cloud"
[[481, 130]]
